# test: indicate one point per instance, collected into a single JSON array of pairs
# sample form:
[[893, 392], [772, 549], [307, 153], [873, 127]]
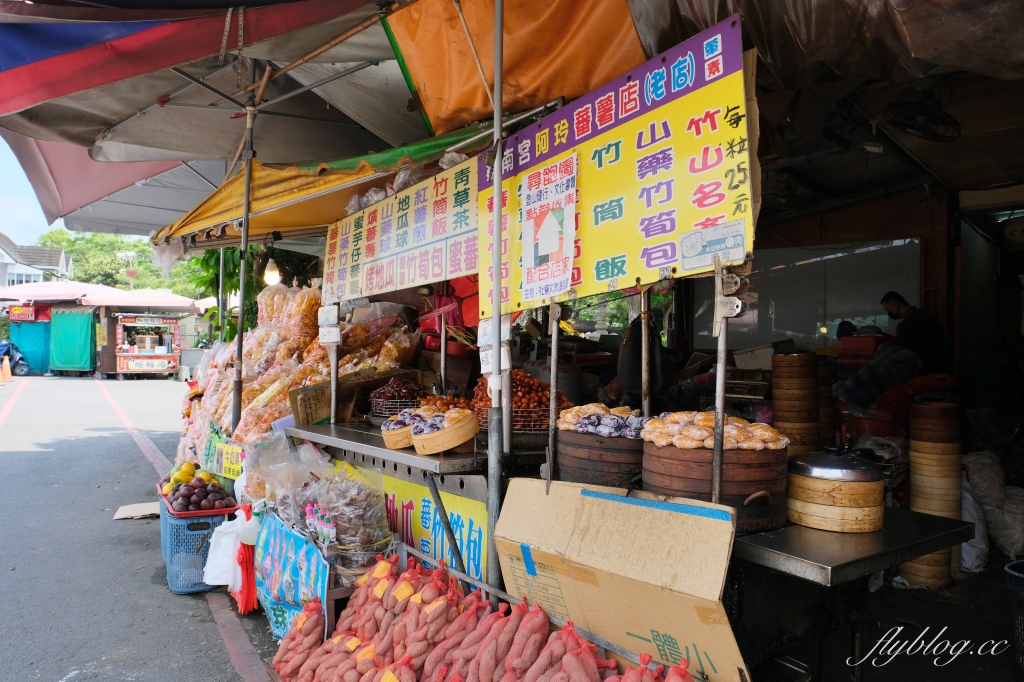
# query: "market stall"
[[345, 373], [145, 344]]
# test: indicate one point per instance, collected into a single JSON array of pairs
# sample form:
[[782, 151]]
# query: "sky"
[[21, 218]]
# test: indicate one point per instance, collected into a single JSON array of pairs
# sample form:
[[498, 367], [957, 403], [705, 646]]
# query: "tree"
[[101, 258]]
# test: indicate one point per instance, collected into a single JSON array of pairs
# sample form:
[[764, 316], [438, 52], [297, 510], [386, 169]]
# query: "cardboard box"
[[643, 571]]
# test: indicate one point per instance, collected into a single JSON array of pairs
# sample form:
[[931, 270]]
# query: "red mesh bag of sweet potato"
[[304, 637], [679, 673]]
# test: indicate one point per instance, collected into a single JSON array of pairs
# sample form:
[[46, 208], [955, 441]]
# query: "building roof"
[[41, 256], [10, 247]]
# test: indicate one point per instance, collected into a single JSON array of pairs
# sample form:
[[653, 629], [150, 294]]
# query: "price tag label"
[[382, 569], [487, 360], [228, 460], [389, 677], [403, 591], [365, 653], [380, 588]]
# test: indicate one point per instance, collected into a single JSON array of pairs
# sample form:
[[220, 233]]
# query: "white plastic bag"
[[1006, 524], [973, 553], [222, 562], [988, 480]]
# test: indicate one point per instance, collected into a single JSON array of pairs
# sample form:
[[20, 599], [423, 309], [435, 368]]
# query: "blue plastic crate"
[[165, 536], [185, 544]]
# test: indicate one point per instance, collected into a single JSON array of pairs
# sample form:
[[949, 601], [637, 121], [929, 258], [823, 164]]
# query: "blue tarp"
[[33, 340]]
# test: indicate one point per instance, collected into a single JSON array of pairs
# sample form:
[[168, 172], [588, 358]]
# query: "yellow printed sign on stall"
[[664, 180], [421, 235], [413, 517]]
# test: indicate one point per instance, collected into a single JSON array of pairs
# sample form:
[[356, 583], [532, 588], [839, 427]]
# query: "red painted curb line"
[[244, 656], [10, 401], [155, 457]]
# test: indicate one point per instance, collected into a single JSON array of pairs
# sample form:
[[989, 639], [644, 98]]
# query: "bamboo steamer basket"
[[788, 428], [930, 583], [934, 483], [872, 513], [935, 460], [808, 360], [929, 448], [940, 558], [753, 481], [944, 411], [927, 505], [837, 526], [398, 439], [944, 437], [446, 439], [936, 471], [922, 493], [935, 424], [835, 492], [801, 449], [795, 381], [597, 460], [806, 439], [811, 416], [835, 499], [787, 394]]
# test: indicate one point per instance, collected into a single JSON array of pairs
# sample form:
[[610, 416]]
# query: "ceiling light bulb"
[[824, 329], [271, 275]]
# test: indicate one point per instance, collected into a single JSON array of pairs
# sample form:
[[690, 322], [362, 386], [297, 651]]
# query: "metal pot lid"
[[833, 466]]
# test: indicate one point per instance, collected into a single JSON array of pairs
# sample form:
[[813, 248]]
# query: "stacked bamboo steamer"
[[935, 450], [826, 411], [795, 400], [834, 491]]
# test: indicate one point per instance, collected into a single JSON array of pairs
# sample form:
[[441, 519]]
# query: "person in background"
[[919, 331], [845, 328]]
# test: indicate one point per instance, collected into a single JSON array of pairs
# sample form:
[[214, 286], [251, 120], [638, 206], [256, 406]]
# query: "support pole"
[[444, 343], [556, 316], [494, 416], [332, 355], [442, 513], [236, 405], [221, 300], [726, 306], [645, 351], [716, 460]]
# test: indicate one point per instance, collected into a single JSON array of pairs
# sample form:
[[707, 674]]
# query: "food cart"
[[158, 353]]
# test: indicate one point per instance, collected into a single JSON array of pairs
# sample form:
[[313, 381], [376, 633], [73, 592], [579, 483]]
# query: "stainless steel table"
[[367, 441], [829, 558]]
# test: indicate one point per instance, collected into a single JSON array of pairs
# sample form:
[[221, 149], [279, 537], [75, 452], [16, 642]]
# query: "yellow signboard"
[[422, 235], [413, 516], [664, 180]]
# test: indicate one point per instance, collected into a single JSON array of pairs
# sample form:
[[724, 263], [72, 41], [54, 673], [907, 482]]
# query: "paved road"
[[85, 597]]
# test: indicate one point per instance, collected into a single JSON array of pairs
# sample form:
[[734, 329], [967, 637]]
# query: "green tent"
[[33, 340], [72, 339]]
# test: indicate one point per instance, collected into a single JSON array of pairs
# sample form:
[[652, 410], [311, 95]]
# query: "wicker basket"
[[445, 439], [389, 408], [528, 420], [398, 439]]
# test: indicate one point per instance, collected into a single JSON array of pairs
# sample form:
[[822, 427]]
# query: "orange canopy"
[[552, 49]]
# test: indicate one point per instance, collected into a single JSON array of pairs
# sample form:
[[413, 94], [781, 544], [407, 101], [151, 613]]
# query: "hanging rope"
[[224, 38]]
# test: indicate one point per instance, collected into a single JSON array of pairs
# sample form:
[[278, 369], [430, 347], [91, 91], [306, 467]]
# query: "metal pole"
[[716, 461], [506, 412], [221, 300], [494, 416], [442, 513], [236, 407], [444, 342], [332, 355], [645, 352], [555, 316]]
